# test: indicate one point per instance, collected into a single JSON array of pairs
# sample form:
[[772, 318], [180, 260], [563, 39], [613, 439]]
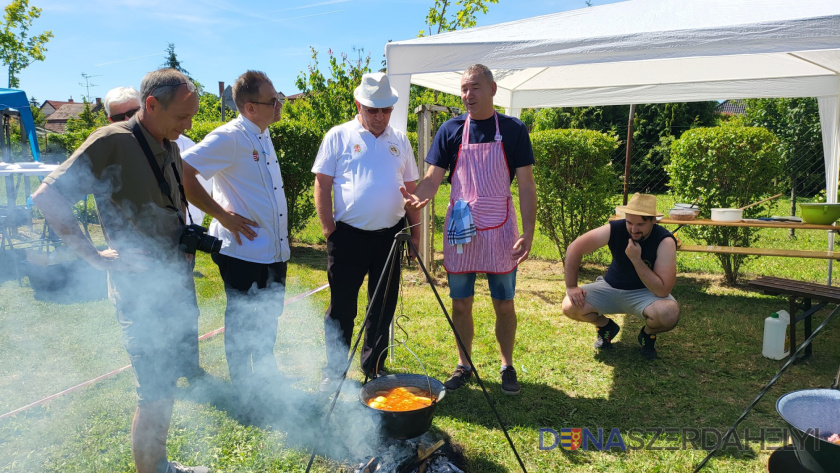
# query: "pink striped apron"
[[482, 179]]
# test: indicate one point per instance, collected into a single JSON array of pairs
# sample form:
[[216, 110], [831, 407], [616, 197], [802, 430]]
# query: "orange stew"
[[401, 399]]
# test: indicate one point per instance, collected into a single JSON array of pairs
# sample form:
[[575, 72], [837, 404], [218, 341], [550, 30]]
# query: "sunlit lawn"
[[709, 370]]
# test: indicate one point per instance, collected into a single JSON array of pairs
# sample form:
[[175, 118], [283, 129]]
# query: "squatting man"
[[639, 279]]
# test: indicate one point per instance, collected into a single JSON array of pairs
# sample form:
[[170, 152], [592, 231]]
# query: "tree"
[[438, 20], [327, 102], [728, 167], [17, 49], [172, 61], [654, 127], [796, 122]]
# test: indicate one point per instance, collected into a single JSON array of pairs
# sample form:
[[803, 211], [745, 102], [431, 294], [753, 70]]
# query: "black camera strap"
[[164, 187]]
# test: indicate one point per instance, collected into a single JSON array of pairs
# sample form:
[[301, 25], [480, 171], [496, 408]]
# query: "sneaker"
[[606, 335], [647, 341], [509, 384], [175, 467], [328, 383], [378, 374], [459, 377]]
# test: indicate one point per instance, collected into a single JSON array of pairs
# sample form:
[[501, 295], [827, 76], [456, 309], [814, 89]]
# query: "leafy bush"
[[728, 167], [575, 182], [201, 129], [297, 144]]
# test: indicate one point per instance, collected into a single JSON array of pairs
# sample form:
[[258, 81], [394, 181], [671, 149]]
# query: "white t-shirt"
[[367, 174], [246, 174]]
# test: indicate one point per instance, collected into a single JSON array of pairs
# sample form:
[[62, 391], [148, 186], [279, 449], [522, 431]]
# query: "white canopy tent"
[[644, 51]]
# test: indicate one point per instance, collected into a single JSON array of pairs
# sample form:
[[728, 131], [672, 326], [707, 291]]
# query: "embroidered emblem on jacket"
[[394, 150]]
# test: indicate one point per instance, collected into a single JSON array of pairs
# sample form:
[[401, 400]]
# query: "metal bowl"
[[813, 415], [406, 424]]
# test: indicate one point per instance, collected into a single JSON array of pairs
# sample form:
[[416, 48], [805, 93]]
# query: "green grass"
[[709, 369]]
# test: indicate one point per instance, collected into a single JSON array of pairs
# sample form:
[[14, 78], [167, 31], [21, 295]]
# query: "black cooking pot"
[[406, 424], [809, 412]]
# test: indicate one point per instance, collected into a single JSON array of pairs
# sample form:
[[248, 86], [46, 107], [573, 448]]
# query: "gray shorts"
[[609, 300]]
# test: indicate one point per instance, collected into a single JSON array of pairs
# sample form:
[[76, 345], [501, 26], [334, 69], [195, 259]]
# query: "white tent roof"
[[644, 51]]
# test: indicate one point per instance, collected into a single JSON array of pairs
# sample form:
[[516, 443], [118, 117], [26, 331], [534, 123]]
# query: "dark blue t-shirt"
[[621, 273], [515, 141]]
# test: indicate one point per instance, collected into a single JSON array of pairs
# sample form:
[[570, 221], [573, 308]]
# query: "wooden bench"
[[806, 291]]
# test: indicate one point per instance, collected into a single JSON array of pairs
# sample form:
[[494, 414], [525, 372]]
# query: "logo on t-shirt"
[[394, 150], [357, 148]]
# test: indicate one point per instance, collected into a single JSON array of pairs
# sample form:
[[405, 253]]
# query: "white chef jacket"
[[367, 174], [246, 179]]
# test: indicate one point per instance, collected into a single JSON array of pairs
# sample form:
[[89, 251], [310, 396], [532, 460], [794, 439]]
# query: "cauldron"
[[809, 412], [406, 424]]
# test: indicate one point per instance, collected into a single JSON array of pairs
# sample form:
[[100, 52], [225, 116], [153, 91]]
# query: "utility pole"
[[87, 85]]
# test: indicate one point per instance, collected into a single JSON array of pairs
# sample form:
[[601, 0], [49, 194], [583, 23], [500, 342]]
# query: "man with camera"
[[133, 170], [250, 217]]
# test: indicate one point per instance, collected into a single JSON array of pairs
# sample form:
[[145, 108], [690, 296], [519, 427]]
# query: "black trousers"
[[353, 254], [255, 294]]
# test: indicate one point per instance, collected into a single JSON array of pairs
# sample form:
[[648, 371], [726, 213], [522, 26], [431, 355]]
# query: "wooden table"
[[739, 250]]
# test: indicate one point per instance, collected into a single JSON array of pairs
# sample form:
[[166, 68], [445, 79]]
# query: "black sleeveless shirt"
[[621, 273]]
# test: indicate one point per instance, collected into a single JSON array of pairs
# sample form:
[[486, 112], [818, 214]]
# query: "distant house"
[[731, 107], [60, 112], [49, 106], [293, 97]]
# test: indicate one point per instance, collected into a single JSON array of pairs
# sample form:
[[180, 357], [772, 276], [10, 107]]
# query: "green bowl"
[[820, 214]]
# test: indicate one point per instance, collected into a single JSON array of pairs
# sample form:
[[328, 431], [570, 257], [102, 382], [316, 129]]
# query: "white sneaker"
[[175, 467]]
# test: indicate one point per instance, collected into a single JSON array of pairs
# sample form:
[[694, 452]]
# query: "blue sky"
[[116, 42]]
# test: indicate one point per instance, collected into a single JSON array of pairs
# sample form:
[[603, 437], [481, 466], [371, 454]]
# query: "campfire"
[[423, 454]]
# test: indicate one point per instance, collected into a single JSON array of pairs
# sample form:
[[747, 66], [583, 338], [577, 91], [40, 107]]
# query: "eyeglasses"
[[374, 111], [190, 87], [119, 117], [273, 103]]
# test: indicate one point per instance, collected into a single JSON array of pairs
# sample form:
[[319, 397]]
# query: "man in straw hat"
[[639, 280], [359, 170]]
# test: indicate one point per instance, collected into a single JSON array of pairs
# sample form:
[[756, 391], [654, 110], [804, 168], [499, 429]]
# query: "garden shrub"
[[728, 167], [201, 129], [297, 144], [575, 182]]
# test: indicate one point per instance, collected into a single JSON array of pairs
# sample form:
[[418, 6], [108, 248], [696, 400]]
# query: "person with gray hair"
[[121, 103], [359, 170], [142, 218], [250, 217]]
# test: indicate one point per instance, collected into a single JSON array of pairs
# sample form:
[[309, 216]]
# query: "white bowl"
[[682, 214], [727, 215]]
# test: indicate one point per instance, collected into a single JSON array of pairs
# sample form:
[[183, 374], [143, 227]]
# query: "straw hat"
[[375, 91], [641, 204]]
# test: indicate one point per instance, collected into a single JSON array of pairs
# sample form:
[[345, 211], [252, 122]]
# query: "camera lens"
[[209, 244]]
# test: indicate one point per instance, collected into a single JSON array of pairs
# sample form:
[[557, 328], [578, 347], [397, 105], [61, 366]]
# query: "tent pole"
[[627, 154]]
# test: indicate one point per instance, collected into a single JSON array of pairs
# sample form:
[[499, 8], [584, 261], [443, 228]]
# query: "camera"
[[195, 237]]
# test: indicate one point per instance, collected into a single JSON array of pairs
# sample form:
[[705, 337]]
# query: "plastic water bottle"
[[776, 342]]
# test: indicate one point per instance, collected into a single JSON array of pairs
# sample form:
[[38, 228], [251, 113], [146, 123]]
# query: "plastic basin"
[[820, 214]]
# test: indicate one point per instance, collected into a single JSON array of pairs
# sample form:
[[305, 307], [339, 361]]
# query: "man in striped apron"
[[483, 150]]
